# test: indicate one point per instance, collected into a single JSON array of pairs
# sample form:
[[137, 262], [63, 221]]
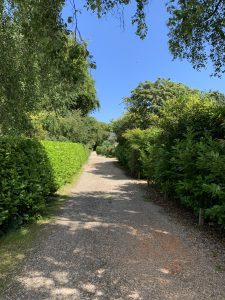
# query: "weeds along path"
[[109, 243]]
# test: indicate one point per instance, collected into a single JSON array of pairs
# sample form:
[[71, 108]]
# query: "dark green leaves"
[[30, 171], [183, 150], [197, 32], [42, 66]]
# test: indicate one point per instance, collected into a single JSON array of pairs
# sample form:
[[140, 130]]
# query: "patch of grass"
[[15, 246], [219, 268]]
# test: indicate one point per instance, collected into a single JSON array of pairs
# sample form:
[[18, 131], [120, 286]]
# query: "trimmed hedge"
[[65, 159], [31, 170]]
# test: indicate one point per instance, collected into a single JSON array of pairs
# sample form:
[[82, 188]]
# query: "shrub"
[[107, 148], [31, 170], [183, 153], [198, 168], [134, 152], [65, 159], [121, 153]]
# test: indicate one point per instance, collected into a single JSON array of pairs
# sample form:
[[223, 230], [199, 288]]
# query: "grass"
[[219, 268], [16, 245]]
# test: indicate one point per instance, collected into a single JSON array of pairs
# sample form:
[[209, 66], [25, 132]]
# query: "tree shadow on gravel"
[[112, 246], [104, 246], [104, 170]]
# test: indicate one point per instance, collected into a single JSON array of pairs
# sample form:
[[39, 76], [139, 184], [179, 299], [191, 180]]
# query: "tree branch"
[[214, 11], [76, 30]]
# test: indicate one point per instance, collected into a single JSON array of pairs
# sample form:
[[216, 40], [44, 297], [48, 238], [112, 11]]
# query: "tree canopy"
[[197, 32], [146, 99], [42, 65], [196, 28]]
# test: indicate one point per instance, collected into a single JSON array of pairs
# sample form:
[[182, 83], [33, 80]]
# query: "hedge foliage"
[[106, 149], [183, 153], [66, 159], [31, 170], [72, 126]]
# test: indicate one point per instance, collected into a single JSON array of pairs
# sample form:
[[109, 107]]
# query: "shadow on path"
[[110, 244]]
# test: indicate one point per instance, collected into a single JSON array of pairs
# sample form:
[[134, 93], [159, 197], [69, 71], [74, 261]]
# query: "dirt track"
[[108, 243]]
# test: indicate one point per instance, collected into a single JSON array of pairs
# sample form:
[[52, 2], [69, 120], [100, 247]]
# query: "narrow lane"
[[108, 243]]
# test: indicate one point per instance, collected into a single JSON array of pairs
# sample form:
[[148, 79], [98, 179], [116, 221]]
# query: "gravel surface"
[[109, 243]]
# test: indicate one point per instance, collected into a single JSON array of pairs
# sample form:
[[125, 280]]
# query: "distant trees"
[[146, 99], [72, 126]]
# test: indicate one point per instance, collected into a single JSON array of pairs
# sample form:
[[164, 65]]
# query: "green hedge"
[[184, 155], [31, 170], [65, 159], [106, 149]]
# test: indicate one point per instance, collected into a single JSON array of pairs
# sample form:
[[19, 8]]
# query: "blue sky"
[[123, 60]]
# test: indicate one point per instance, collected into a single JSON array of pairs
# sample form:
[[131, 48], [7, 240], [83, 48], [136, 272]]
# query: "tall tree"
[[42, 65], [146, 99], [196, 28]]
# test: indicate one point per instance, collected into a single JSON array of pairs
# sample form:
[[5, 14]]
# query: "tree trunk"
[[201, 217]]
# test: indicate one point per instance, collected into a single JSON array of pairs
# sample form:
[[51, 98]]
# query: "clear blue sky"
[[123, 60]]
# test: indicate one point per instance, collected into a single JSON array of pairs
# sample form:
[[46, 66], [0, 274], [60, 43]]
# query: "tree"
[[197, 32], [146, 99], [72, 126], [42, 65], [196, 28], [121, 125]]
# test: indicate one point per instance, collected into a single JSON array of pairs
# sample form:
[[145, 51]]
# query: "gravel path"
[[108, 243]]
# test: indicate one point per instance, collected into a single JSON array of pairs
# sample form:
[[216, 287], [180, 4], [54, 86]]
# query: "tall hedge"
[[29, 171], [65, 159], [183, 154]]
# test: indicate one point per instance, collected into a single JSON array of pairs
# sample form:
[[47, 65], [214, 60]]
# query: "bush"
[[121, 152], [134, 152], [106, 149], [197, 172], [65, 159], [31, 170], [183, 153]]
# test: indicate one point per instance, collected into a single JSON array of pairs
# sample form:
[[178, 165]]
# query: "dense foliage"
[[196, 28], [70, 127], [182, 151], [66, 159], [31, 170], [196, 32], [146, 99], [43, 67], [107, 148]]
